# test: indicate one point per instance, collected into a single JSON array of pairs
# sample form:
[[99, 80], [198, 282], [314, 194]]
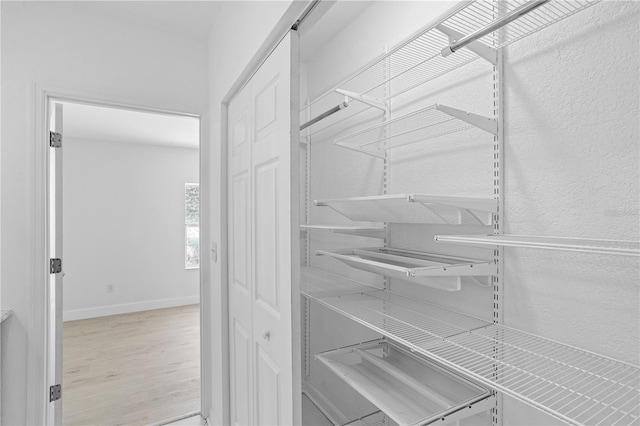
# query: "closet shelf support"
[[489, 125], [480, 49], [368, 100], [499, 23]]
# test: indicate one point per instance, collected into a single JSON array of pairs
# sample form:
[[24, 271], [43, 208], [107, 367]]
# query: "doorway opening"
[[125, 333]]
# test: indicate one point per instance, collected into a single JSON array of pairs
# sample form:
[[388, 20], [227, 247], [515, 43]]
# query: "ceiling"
[[190, 18], [326, 22], [88, 122]]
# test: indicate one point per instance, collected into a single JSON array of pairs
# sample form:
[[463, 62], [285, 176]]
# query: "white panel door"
[[263, 207], [273, 237]]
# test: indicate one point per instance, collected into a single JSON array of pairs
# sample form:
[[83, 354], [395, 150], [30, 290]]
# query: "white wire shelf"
[[418, 59], [408, 389], [316, 284], [431, 270], [390, 314], [424, 124], [362, 231], [480, 14], [583, 245], [415, 208], [573, 385]]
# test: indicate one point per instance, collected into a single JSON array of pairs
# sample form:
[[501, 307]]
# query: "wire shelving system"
[[428, 54], [573, 385]]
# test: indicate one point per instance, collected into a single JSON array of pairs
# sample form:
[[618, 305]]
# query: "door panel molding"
[[272, 160]]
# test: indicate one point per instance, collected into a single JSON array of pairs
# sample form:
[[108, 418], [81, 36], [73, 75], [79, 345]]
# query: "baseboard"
[[212, 420], [103, 311], [328, 409]]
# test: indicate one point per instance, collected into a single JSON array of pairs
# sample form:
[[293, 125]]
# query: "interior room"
[[131, 275], [410, 212]]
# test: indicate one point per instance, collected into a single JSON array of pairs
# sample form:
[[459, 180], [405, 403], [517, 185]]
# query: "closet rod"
[[509, 17], [341, 105]]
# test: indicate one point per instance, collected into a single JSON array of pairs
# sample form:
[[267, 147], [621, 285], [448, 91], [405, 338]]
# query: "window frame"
[[188, 225]]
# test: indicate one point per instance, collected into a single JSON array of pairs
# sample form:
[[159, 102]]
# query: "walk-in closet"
[[469, 212]]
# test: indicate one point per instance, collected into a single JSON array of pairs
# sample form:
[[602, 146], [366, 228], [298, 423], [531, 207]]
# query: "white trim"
[[212, 420], [125, 308], [37, 213], [206, 302], [38, 371]]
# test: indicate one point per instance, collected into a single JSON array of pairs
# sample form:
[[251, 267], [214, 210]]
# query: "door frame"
[[38, 358], [297, 12]]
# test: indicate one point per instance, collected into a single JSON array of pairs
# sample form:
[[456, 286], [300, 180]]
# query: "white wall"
[[239, 31], [572, 167], [124, 226], [114, 59]]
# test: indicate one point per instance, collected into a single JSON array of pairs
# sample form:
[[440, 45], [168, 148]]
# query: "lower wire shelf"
[[570, 384], [407, 388]]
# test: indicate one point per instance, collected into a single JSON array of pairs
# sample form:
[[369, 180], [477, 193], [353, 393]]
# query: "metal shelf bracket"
[[487, 124], [368, 100], [482, 50]]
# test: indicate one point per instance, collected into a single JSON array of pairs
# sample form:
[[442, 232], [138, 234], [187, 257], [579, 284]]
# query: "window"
[[192, 225]]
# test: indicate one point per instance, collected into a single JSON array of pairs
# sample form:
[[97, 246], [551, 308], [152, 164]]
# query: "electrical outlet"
[[110, 288]]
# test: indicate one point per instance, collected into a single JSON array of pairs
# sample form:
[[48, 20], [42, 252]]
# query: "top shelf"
[[482, 14], [612, 247], [419, 58]]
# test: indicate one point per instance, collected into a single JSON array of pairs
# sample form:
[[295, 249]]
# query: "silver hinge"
[[55, 393], [55, 140], [55, 266]]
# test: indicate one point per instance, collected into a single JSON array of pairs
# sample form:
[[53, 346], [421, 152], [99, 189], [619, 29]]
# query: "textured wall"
[[572, 169]]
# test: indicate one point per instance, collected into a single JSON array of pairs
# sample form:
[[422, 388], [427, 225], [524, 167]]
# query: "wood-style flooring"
[[132, 369]]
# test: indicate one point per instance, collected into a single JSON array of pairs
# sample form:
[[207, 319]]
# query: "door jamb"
[[38, 406]]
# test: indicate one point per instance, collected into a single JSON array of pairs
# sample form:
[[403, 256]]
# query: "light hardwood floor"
[[132, 369]]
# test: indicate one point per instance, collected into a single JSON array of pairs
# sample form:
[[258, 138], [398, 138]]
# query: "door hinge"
[[55, 393], [55, 266], [55, 140]]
